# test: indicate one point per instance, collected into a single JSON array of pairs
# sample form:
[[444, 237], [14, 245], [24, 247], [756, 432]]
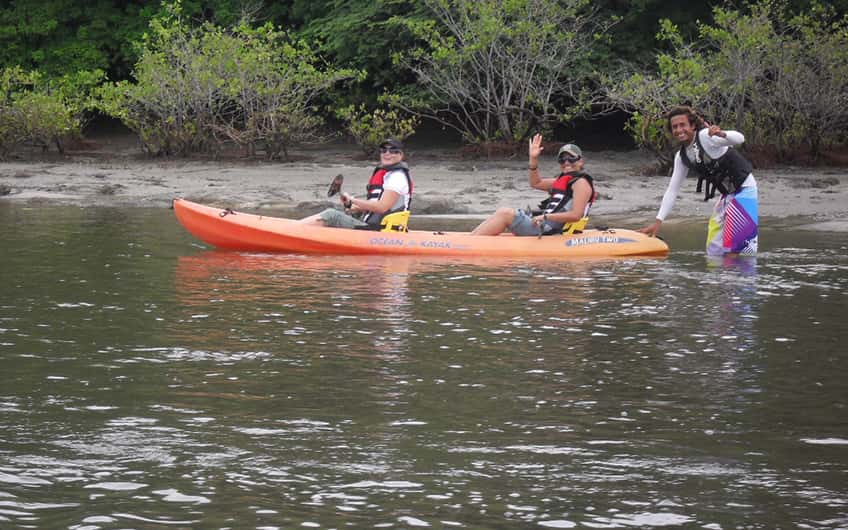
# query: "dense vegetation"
[[195, 76], [196, 89]]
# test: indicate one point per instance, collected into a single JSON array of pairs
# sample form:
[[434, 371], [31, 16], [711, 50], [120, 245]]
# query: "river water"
[[151, 382]]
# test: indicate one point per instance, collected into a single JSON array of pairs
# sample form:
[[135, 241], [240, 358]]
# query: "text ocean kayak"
[[227, 229]]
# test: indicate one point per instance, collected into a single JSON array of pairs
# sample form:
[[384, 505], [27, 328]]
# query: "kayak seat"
[[395, 222], [579, 225], [575, 227]]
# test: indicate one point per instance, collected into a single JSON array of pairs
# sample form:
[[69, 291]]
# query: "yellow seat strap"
[[395, 222], [576, 226]]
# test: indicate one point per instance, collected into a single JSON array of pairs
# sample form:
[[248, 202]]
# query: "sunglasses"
[[568, 158], [392, 150]]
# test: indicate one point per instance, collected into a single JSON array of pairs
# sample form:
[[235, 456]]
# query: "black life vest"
[[375, 191], [725, 173]]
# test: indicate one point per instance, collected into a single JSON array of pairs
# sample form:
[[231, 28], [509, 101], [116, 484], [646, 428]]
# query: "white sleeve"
[[715, 146], [396, 181], [674, 183], [733, 138]]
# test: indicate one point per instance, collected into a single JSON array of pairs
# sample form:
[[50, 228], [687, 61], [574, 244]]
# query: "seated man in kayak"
[[571, 194], [389, 190]]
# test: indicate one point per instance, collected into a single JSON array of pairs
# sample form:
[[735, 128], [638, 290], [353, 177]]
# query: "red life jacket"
[[562, 191], [375, 191]]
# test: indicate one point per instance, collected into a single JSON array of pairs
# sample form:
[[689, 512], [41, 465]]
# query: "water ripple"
[[150, 386]]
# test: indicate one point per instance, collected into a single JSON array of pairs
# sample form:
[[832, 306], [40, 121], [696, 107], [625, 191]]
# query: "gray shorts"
[[338, 219], [522, 225]]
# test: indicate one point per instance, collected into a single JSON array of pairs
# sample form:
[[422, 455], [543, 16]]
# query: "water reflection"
[[145, 388], [734, 291], [373, 294], [298, 296]]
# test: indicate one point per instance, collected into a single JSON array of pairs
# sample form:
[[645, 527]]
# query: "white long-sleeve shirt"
[[715, 147]]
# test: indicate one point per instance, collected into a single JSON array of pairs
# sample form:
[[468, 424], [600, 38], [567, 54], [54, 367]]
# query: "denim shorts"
[[522, 225], [338, 219]]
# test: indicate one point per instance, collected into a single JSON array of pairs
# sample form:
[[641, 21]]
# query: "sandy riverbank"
[[446, 185]]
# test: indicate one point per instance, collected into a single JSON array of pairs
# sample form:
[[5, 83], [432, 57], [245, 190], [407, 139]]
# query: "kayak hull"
[[231, 230]]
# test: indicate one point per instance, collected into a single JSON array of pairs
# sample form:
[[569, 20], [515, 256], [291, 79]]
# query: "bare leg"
[[312, 220], [495, 224]]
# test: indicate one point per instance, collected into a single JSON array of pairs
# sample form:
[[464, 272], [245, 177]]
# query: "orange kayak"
[[232, 230]]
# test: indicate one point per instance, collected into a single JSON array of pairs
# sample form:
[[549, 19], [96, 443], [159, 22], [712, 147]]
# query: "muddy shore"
[[448, 187]]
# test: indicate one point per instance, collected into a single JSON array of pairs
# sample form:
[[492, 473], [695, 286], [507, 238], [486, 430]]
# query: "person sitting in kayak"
[[571, 195], [389, 190]]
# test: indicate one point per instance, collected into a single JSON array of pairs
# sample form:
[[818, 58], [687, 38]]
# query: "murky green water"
[[148, 382]]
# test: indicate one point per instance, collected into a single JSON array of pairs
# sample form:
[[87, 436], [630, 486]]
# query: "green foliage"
[[58, 37], [40, 111], [12, 124], [495, 70], [362, 34], [197, 88], [682, 76], [500, 70], [740, 46], [46, 118], [61, 37], [369, 127], [634, 39], [78, 91], [784, 84], [802, 101]]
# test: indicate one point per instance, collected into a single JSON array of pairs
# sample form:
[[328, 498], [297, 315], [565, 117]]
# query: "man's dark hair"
[[684, 110]]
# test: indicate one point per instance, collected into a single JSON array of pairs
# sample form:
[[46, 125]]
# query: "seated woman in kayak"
[[389, 190], [571, 194]]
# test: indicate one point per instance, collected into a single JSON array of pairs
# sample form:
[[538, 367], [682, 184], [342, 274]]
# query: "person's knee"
[[507, 214]]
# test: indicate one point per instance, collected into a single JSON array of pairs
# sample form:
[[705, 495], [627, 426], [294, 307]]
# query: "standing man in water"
[[710, 152]]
